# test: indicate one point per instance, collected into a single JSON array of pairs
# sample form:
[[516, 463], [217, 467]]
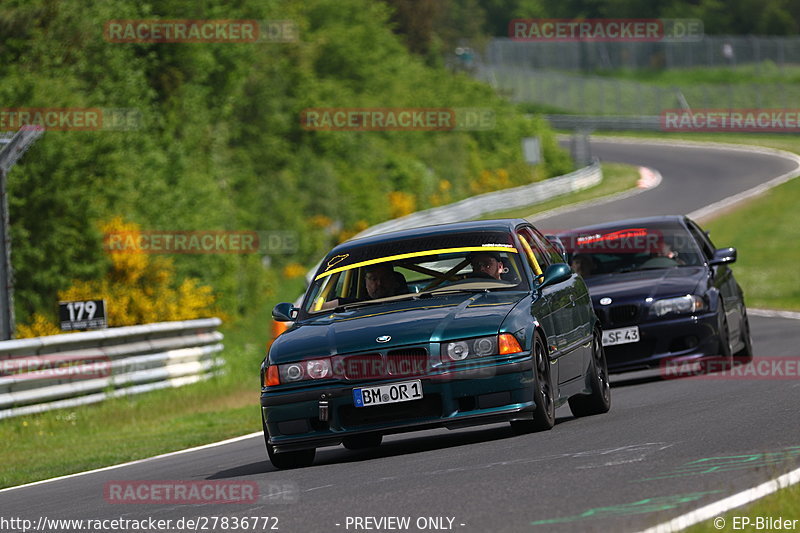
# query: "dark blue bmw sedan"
[[443, 326], [664, 293]]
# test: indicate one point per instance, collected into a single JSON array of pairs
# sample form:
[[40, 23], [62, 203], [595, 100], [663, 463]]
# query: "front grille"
[[428, 407], [621, 315], [397, 363], [367, 366], [408, 362]]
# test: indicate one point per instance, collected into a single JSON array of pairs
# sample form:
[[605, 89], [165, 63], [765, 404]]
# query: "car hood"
[[655, 283], [411, 322]]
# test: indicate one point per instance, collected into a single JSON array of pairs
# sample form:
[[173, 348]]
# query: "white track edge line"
[[774, 313], [138, 461], [726, 504]]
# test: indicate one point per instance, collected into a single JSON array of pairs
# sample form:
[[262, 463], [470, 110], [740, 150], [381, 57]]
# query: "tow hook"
[[323, 408]]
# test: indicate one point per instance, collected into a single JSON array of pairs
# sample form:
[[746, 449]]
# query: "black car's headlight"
[[502, 344], [690, 303]]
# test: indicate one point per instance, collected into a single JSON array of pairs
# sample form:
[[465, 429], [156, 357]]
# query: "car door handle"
[[572, 300]]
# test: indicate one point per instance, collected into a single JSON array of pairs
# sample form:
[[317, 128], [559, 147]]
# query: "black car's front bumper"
[[686, 338]]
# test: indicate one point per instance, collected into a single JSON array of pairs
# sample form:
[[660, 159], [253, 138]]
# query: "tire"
[[725, 353], [544, 415], [362, 442], [745, 355], [287, 460], [599, 400]]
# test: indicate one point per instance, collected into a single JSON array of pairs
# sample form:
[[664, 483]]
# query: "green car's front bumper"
[[294, 419]]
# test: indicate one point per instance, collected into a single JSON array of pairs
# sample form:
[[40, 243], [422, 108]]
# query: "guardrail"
[[605, 123], [494, 201], [68, 370]]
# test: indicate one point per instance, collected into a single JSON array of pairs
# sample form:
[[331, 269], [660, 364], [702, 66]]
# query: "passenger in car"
[[582, 265], [487, 264]]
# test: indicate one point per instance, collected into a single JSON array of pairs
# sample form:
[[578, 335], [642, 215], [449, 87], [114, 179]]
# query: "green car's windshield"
[[397, 270]]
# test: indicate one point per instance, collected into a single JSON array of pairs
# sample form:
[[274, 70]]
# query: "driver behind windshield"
[[667, 250], [382, 281]]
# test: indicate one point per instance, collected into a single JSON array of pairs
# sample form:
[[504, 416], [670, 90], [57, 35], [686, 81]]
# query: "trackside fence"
[[61, 371]]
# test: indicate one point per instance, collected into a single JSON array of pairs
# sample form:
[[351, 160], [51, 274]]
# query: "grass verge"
[[764, 72], [65, 441], [617, 178], [784, 504]]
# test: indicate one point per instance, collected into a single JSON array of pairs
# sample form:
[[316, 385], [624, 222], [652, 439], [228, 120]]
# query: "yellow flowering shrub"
[[138, 289], [489, 181], [348, 234], [320, 221], [442, 196], [39, 327], [401, 204], [294, 270]]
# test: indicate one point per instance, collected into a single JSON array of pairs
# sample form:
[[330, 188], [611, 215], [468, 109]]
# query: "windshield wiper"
[[353, 305], [405, 297], [431, 293]]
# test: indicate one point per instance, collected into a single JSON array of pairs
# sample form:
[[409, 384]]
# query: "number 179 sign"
[[88, 314]]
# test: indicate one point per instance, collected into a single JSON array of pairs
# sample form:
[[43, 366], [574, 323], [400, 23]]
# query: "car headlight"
[[681, 305], [303, 370], [460, 350]]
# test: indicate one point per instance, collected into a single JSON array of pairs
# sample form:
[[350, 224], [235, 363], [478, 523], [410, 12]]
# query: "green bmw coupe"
[[450, 326]]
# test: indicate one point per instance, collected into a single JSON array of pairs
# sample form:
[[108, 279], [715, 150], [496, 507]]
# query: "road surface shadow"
[[409, 443]]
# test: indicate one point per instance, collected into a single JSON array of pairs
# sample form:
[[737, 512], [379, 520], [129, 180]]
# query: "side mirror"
[[555, 274], [284, 312], [723, 256]]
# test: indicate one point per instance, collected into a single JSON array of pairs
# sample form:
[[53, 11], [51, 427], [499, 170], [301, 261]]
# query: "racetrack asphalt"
[[666, 446]]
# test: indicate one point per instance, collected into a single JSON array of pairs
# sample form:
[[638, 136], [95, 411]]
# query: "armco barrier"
[[67, 370], [605, 123], [489, 202]]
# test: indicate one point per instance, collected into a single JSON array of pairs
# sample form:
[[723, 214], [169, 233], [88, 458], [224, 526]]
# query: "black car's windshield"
[[619, 250], [416, 268]]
